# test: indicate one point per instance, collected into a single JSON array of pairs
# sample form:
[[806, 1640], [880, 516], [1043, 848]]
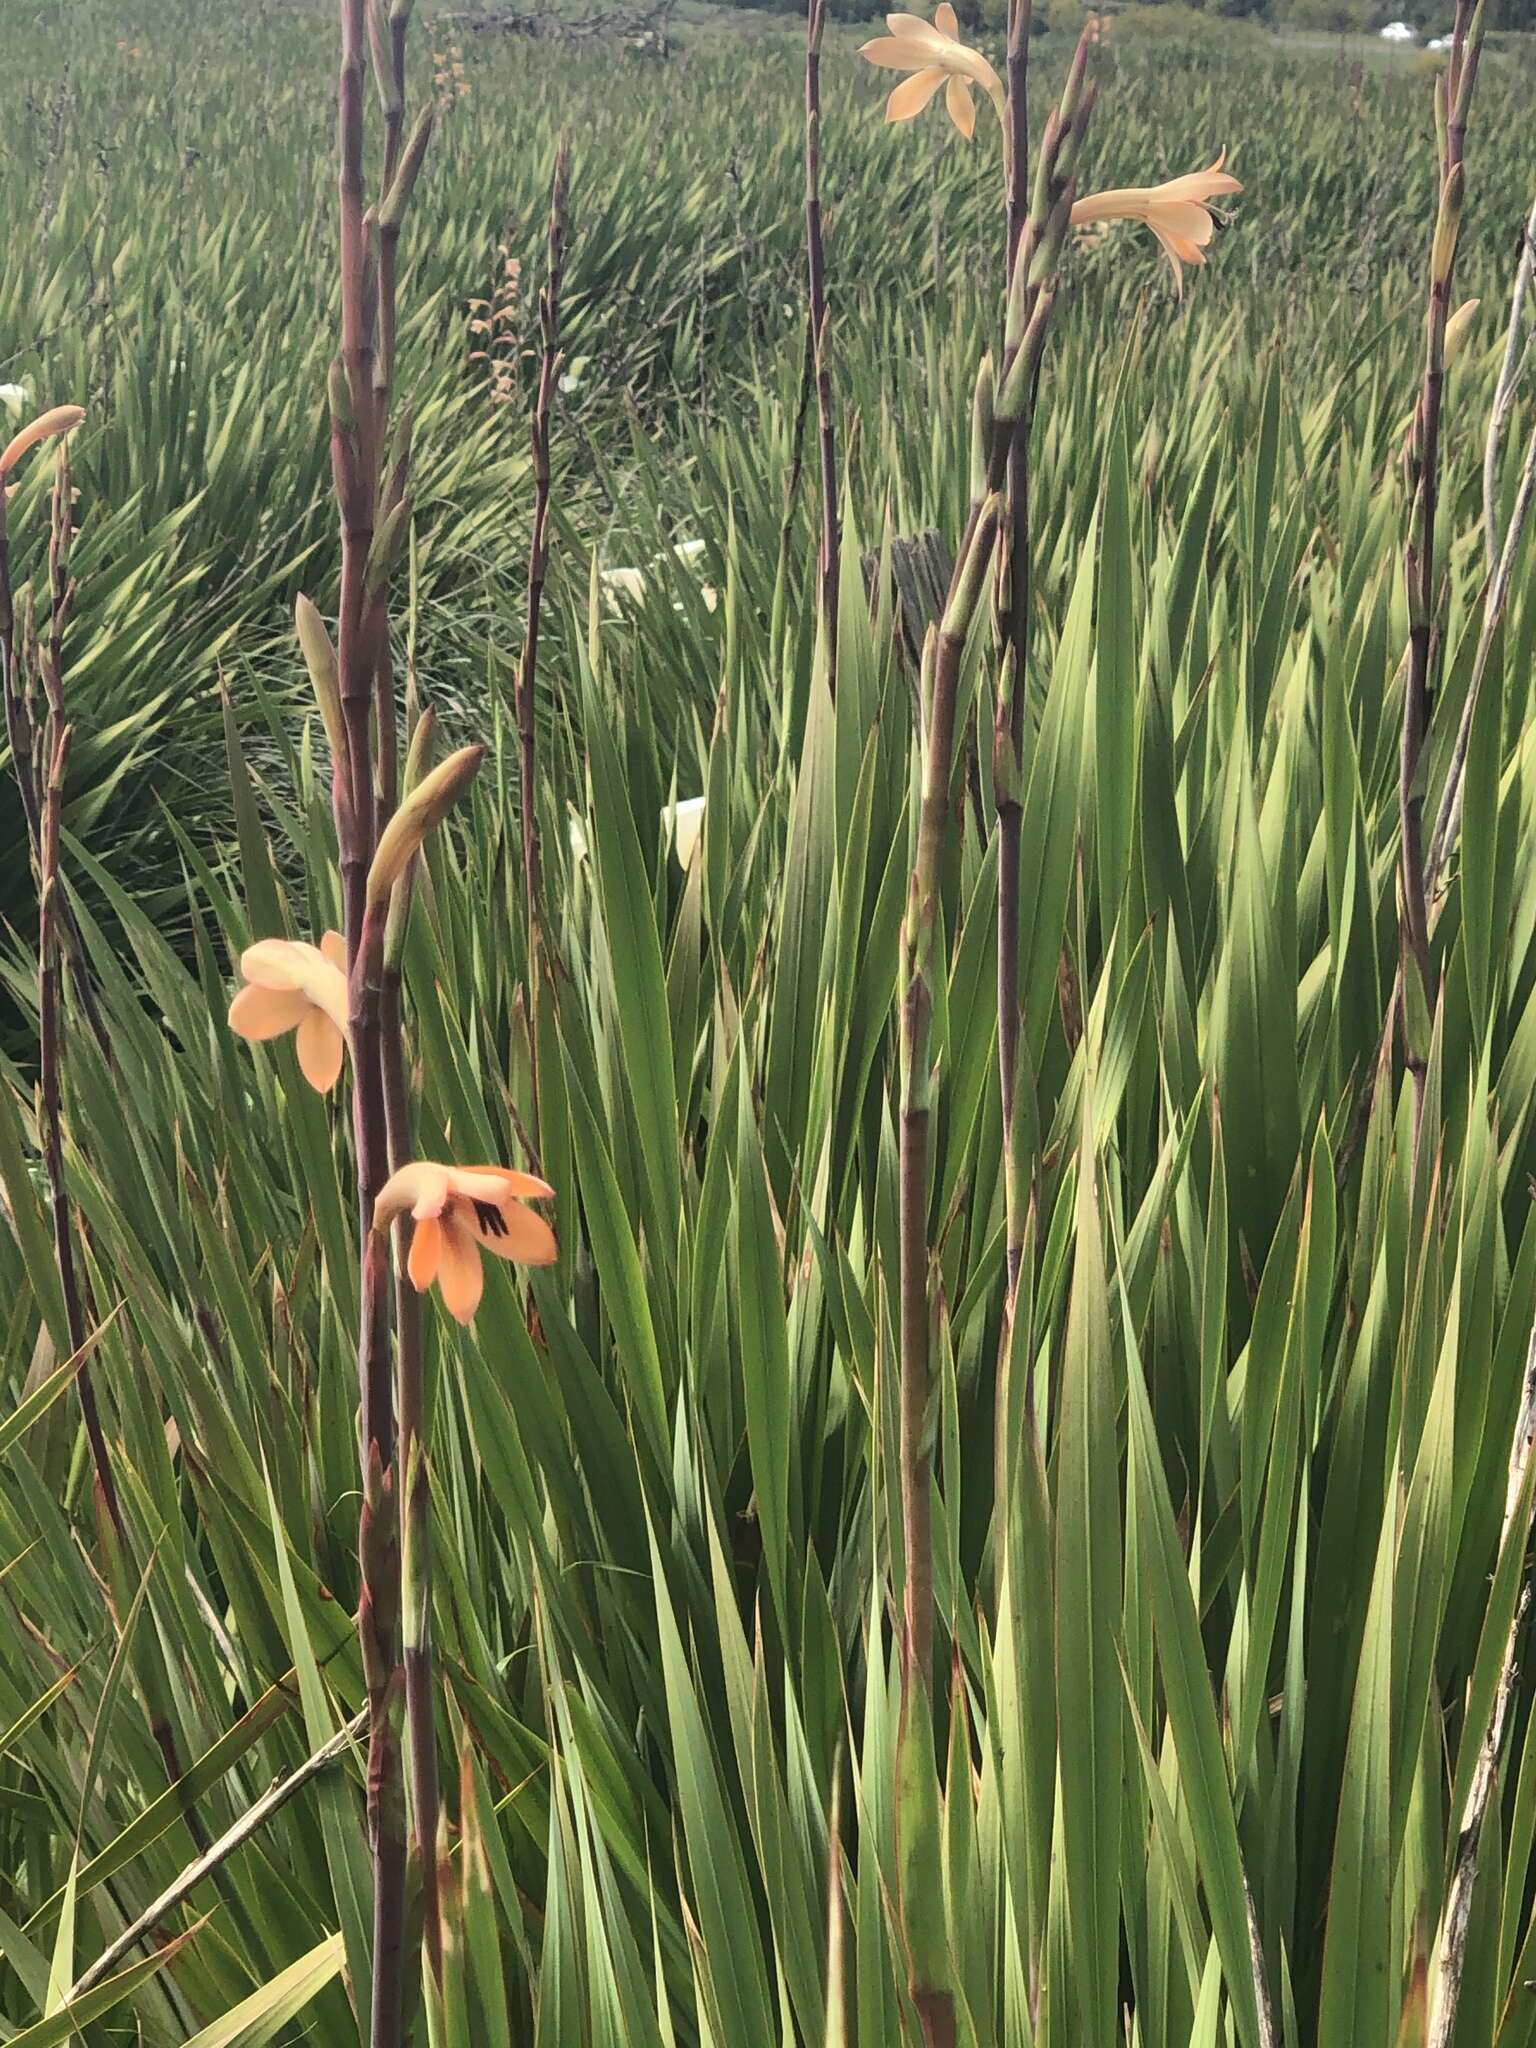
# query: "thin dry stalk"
[[829, 548], [1451, 1940], [1501, 550], [1516, 347], [40, 755], [216, 1854], [1495, 604], [538, 570]]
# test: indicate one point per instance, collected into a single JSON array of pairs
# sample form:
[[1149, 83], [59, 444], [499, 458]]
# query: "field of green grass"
[[1226, 1735]]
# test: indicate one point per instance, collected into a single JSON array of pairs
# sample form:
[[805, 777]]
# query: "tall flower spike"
[[293, 986], [1178, 212], [459, 1212], [935, 56]]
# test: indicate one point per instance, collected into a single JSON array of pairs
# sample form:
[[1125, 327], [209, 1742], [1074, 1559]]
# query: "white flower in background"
[[685, 821], [619, 584], [13, 399]]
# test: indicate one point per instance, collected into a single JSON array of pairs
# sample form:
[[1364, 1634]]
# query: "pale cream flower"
[[293, 986], [460, 1212], [1178, 212], [684, 820], [935, 56]]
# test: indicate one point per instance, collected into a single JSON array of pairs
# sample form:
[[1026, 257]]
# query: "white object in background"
[[1399, 32], [13, 397], [685, 821]]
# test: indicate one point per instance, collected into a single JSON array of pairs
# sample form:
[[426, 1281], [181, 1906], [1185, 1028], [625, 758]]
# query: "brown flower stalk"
[[39, 757], [829, 547], [1453, 99], [538, 569], [1013, 601], [1030, 295], [370, 478]]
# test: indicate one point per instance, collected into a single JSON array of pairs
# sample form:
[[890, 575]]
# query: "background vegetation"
[[1275, 1368]]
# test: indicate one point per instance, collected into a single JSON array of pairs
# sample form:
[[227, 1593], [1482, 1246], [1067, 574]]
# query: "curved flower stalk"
[[59, 419], [293, 986], [935, 56], [1178, 212], [460, 1212]]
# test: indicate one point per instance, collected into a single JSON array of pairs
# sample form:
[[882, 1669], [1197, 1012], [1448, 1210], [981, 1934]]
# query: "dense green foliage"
[[1245, 1610]]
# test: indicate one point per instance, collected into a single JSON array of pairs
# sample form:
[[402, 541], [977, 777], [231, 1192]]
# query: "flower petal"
[[960, 107], [1173, 252], [59, 419], [333, 948], [277, 963], [259, 1013], [321, 1048], [1129, 202], [946, 21], [515, 1183], [899, 54], [426, 1253], [913, 94], [1183, 220], [511, 1231], [459, 1274], [421, 1186], [478, 1183]]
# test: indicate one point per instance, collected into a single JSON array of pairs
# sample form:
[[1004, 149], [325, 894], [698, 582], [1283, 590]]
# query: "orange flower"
[[1178, 213], [293, 986], [459, 1212], [934, 54]]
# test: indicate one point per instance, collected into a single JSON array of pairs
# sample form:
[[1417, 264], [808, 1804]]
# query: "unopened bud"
[[1457, 328], [325, 679], [1447, 227], [398, 197], [981, 425], [340, 393], [418, 757], [386, 544], [428, 803], [965, 591]]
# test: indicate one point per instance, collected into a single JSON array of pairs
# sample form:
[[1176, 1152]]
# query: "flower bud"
[[1447, 227], [386, 544], [428, 803], [392, 212], [320, 660], [981, 425], [1457, 328], [976, 564]]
